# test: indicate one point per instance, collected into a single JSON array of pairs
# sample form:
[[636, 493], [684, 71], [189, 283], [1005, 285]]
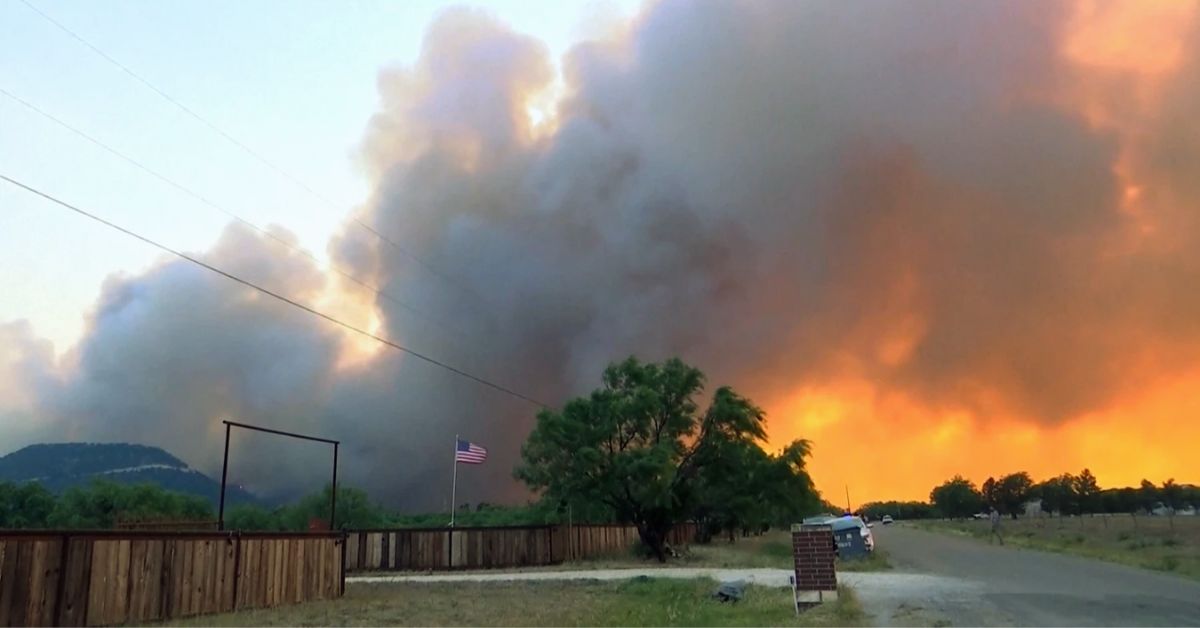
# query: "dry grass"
[[637, 602], [1149, 542]]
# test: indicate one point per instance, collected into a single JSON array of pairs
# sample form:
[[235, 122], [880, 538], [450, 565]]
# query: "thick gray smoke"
[[779, 192]]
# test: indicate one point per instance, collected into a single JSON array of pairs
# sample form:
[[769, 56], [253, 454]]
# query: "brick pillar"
[[812, 550]]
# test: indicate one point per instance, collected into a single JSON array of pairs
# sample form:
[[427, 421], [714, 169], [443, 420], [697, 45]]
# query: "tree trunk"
[[654, 540]]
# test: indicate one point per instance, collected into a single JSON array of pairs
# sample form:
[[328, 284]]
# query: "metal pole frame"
[[258, 428]]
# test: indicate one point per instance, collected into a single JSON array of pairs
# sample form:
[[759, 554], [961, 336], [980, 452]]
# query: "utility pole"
[[848, 509]]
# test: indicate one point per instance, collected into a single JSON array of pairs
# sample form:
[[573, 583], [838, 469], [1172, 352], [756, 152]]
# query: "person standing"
[[995, 520]]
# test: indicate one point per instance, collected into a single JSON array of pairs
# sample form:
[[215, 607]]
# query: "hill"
[[60, 466]]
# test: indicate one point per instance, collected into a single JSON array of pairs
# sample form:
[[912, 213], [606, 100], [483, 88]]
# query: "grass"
[[877, 561], [772, 549], [1148, 542], [637, 602]]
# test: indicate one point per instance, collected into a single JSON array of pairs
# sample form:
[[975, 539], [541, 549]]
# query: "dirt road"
[[946, 580], [1025, 587]]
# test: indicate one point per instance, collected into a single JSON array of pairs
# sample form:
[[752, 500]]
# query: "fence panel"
[[105, 578], [439, 549]]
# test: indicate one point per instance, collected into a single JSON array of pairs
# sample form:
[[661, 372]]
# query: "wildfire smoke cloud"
[[940, 237]]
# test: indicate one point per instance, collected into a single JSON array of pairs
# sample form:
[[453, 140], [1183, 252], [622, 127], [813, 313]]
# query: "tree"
[[1087, 491], [25, 505], [1148, 496], [638, 445], [957, 498], [1012, 491], [102, 504], [1057, 494], [727, 487], [989, 492], [252, 517], [355, 510], [1172, 495]]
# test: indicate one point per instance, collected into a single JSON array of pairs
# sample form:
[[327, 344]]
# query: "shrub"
[[1124, 535]]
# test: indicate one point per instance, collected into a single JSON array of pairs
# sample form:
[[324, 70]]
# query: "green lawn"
[[1149, 542], [637, 602]]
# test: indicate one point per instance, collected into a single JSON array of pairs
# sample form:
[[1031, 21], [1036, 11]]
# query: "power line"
[[276, 295], [196, 195], [249, 151]]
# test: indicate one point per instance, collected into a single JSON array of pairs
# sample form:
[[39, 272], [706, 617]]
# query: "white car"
[[887, 519]]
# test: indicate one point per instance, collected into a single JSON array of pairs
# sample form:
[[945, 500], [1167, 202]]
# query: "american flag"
[[469, 452]]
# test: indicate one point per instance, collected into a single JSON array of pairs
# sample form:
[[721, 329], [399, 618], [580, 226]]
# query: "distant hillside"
[[63, 465]]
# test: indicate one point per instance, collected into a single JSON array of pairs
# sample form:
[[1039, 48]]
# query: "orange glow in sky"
[[884, 444]]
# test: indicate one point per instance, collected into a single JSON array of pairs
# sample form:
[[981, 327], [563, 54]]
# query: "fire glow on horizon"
[[886, 445]]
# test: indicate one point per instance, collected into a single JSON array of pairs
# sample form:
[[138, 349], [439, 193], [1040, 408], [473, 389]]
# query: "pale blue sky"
[[293, 80]]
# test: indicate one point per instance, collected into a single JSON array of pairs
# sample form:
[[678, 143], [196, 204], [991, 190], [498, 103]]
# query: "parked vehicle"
[[843, 523], [886, 520]]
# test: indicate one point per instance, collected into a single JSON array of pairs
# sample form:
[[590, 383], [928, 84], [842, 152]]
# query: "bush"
[[1124, 535]]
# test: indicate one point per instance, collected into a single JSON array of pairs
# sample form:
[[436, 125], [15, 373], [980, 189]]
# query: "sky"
[[231, 62], [931, 238]]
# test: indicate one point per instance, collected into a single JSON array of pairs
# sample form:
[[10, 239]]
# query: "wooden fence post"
[[345, 538], [62, 579], [237, 565]]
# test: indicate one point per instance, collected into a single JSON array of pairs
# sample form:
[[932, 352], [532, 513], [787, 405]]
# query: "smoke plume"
[[951, 227]]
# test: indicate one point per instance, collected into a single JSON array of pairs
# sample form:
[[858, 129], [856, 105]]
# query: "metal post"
[[224, 478], [454, 485], [333, 500]]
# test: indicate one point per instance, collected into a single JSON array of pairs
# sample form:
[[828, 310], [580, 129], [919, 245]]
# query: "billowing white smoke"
[[778, 192]]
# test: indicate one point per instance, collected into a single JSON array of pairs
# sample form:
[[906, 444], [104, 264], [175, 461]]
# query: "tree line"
[[1066, 494], [99, 506], [102, 505]]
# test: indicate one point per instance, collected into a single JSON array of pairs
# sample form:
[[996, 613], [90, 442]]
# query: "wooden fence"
[[424, 549], [105, 578]]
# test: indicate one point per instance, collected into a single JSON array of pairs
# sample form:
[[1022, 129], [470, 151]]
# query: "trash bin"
[[848, 536]]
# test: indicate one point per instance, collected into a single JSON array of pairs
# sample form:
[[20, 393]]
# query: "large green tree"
[[957, 498], [640, 444]]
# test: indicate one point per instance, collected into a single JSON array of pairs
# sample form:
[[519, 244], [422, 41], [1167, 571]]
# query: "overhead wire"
[[199, 197], [248, 150], [280, 297]]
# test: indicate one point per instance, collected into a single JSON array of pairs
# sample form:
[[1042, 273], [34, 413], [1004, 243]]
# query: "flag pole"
[[454, 486]]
